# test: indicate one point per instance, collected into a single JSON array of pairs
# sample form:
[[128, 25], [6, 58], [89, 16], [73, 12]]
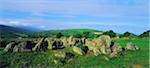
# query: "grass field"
[[131, 59]]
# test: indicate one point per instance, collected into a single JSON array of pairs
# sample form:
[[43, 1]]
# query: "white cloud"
[[14, 23]]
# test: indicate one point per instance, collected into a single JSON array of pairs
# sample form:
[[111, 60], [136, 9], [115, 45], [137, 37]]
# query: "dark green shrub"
[[59, 35], [111, 33]]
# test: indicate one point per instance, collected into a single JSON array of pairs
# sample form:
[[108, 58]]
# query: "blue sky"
[[118, 15]]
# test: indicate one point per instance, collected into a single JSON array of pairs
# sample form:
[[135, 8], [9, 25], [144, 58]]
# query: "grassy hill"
[[14, 32], [11, 32], [128, 34], [145, 34], [73, 31], [68, 32]]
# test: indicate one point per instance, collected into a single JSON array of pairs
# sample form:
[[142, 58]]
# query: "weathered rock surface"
[[60, 55], [96, 46], [99, 45], [37, 45], [116, 48], [9, 46], [131, 46], [78, 50]]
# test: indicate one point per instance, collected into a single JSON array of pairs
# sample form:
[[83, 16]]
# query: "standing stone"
[[15, 49], [50, 42], [38, 45], [9, 46], [83, 40], [70, 40], [104, 44]]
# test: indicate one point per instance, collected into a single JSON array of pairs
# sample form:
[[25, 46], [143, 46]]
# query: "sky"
[[117, 15]]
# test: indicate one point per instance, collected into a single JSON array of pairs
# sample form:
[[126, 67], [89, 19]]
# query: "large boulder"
[[78, 50], [131, 46], [20, 47], [24, 46], [104, 44], [99, 45]]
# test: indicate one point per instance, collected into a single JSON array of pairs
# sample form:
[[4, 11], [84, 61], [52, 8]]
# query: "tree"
[[77, 36], [59, 35], [128, 34], [111, 33], [89, 35], [86, 34]]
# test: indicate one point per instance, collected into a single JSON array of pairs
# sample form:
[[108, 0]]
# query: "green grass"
[[44, 59], [69, 31]]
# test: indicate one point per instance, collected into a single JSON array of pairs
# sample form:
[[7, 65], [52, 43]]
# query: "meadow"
[[130, 59]]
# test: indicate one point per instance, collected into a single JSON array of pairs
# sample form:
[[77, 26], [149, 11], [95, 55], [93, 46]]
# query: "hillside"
[[67, 32], [145, 34], [14, 32], [128, 34], [72, 31], [11, 32]]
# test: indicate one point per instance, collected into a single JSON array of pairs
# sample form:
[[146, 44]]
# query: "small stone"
[[60, 55], [131, 46]]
